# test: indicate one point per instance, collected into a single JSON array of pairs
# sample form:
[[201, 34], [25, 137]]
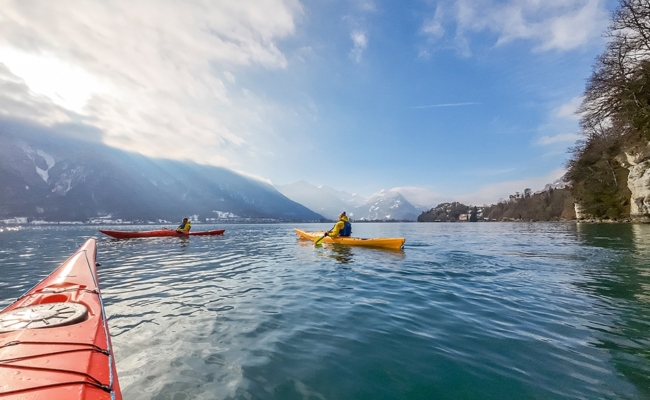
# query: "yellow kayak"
[[387, 243]]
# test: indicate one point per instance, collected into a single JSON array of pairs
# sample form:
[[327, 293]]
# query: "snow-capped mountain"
[[556, 184], [385, 205], [323, 200], [50, 177]]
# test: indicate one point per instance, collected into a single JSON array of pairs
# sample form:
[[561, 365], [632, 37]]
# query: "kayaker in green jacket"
[[184, 227], [341, 228]]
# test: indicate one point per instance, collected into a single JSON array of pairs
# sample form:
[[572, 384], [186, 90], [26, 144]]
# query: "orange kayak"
[[387, 243], [54, 340], [157, 233]]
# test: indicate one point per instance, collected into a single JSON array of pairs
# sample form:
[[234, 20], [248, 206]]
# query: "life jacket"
[[347, 229]]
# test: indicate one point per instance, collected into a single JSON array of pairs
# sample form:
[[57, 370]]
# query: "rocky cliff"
[[637, 161]]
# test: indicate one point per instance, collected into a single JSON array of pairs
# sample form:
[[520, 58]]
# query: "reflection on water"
[[346, 254], [184, 241], [619, 276], [641, 237], [341, 253], [607, 235]]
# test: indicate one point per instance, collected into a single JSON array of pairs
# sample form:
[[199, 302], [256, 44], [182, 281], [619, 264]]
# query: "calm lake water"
[[465, 311]]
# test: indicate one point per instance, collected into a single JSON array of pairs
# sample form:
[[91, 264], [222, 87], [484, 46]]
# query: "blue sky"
[[441, 100]]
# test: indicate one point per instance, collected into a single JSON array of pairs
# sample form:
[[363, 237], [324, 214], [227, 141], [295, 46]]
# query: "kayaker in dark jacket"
[[341, 228], [184, 227]]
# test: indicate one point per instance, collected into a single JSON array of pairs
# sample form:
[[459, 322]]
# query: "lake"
[[465, 311]]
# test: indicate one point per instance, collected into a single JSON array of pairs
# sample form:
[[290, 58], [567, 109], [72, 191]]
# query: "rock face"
[[637, 161], [580, 214]]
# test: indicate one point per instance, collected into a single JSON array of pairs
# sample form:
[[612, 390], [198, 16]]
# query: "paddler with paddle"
[[342, 227], [184, 227]]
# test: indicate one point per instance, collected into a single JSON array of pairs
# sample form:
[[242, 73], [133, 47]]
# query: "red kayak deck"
[[54, 340], [157, 233]]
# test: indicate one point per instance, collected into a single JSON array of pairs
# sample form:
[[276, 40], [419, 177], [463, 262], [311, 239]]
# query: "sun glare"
[[65, 84]]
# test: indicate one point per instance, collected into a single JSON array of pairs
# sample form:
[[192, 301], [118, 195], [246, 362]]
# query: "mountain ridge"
[[387, 205], [50, 177]]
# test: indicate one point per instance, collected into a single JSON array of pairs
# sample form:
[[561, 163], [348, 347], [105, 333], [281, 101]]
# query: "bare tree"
[[615, 113], [618, 86]]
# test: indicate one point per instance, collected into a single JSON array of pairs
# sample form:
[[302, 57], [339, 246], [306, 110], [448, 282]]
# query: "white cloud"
[[17, 101], [491, 193], [359, 44], [448, 105], [230, 77], [66, 85], [562, 126], [561, 138], [427, 197], [492, 171], [433, 28], [550, 25], [166, 64], [569, 110], [421, 196], [367, 5], [555, 153], [573, 29]]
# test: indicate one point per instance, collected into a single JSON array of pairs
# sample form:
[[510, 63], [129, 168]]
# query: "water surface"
[[465, 311]]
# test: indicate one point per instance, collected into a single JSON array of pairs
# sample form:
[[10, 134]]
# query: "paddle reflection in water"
[[341, 253], [349, 254]]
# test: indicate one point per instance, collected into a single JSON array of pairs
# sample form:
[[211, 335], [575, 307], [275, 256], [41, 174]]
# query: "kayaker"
[[184, 227], [343, 227]]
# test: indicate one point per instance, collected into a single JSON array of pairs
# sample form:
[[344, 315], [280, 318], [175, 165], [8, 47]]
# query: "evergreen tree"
[[473, 217]]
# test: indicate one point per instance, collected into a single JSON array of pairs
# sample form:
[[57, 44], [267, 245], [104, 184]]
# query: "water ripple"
[[490, 311]]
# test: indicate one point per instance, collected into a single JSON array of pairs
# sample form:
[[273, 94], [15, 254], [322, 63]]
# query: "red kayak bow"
[[54, 340]]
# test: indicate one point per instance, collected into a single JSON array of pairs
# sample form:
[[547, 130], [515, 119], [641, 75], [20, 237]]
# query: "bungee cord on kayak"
[[69, 348]]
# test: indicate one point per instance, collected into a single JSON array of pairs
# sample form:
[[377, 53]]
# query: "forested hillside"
[[608, 168], [550, 205], [444, 212]]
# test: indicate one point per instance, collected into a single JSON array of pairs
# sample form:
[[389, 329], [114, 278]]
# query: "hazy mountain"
[[386, 205], [323, 200], [556, 184], [48, 176]]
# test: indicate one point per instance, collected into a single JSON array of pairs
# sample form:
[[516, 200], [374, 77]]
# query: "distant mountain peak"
[[329, 202], [556, 184]]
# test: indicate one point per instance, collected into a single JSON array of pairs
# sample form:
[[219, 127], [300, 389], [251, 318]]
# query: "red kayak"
[[157, 233], [54, 340]]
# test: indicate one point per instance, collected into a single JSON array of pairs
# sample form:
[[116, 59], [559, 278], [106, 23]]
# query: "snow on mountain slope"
[[385, 205]]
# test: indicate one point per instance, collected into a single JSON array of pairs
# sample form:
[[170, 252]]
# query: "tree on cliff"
[[548, 205], [615, 114]]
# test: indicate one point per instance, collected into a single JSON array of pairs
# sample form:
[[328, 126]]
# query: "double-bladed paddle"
[[317, 242]]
